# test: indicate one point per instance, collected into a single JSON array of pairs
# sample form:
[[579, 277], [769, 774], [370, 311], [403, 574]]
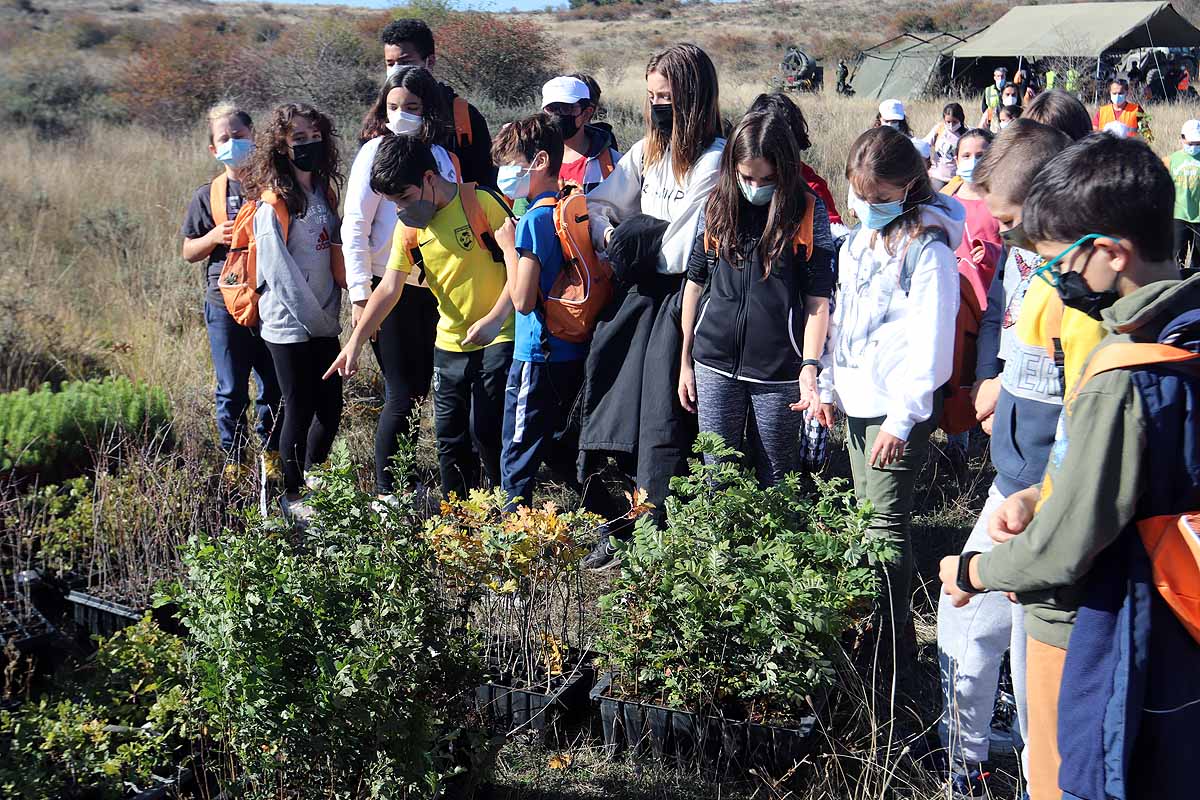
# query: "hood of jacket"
[[1143, 314], [947, 213], [599, 139]]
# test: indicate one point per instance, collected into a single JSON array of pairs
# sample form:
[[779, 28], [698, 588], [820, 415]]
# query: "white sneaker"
[[296, 511], [382, 505]]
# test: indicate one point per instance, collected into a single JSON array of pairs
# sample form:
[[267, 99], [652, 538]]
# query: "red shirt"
[[573, 172], [821, 190]]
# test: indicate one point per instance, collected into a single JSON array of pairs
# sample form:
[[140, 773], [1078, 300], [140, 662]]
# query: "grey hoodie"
[[299, 298]]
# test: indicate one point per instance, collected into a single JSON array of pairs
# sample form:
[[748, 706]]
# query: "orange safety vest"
[[1127, 117]]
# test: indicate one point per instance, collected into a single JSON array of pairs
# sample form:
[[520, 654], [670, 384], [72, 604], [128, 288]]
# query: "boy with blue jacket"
[[1114, 704]]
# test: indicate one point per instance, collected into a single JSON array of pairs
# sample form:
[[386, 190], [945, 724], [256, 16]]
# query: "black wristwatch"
[[964, 572], [811, 362]]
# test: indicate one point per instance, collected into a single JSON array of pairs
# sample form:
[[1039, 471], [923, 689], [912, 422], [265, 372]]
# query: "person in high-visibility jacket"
[[1120, 110], [991, 95]]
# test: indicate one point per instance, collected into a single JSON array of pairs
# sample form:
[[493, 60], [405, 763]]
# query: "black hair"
[[1103, 184], [780, 103], [414, 31], [400, 162], [974, 133], [955, 110]]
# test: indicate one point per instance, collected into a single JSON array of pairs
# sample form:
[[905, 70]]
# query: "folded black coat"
[[629, 403]]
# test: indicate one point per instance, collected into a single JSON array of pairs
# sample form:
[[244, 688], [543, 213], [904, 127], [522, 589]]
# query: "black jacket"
[[476, 157], [750, 328]]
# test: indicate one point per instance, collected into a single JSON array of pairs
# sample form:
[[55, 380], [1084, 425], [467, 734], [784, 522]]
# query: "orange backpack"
[[462, 122], [1172, 541], [958, 409], [239, 275], [803, 236], [584, 285], [481, 228]]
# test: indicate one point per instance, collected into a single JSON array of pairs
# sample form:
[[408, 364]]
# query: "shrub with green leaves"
[[54, 433], [329, 662], [117, 721], [737, 607]]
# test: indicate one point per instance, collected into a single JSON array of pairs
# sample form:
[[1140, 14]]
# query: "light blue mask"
[[756, 195], [234, 152], [966, 171], [1192, 149], [875, 216], [513, 180]]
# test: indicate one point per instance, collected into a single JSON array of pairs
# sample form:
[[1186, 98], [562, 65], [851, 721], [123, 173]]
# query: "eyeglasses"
[[1049, 272]]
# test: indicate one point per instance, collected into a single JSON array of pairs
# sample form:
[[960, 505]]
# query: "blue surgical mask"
[[875, 216], [1118, 99], [234, 152], [513, 180], [966, 170], [1192, 149], [756, 195]]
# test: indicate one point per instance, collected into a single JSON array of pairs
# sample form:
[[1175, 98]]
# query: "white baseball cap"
[[922, 147], [891, 110], [564, 89], [1191, 131], [1118, 129]]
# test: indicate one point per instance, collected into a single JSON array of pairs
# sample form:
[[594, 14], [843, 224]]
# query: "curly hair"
[[271, 167]]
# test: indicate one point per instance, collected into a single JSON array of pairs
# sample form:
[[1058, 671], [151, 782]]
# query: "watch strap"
[[964, 572], [811, 362]]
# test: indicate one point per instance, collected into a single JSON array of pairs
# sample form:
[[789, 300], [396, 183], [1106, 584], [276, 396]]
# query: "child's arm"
[[201, 247], [381, 302], [618, 196], [487, 328], [687, 371], [358, 216], [1094, 491]]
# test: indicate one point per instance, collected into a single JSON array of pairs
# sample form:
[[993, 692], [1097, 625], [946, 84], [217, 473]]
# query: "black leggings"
[[404, 350], [312, 406]]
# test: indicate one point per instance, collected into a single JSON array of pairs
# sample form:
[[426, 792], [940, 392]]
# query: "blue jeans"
[[236, 352]]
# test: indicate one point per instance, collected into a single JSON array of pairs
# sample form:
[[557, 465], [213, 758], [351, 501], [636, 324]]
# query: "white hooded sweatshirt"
[[629, 190], [888, 351]]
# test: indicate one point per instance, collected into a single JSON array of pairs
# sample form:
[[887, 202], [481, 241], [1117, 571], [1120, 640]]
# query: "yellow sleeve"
[[1080, 335], [398, 259]]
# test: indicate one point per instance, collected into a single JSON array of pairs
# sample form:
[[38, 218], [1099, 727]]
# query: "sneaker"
[[313, 482], [968, 785], [384, 503], [297, 512], [603, 556]]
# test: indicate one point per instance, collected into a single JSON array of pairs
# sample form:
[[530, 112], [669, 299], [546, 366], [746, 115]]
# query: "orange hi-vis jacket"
[[1127, 116]]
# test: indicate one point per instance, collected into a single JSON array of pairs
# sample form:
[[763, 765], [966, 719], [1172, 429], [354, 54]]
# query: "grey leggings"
[[723, 404]]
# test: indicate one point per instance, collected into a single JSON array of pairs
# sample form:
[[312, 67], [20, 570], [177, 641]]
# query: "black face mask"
[[308, 156], [568, 125], [1015, 237], [663, 117], [1076, 294]]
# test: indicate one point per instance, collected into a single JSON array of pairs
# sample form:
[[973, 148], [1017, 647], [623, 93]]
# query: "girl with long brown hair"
[[891, 343], [647, 212], [410, 103], [294, 175], [765, 259]]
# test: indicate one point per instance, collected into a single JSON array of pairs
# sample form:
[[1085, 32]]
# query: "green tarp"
[[906, 66], [1075, 30]]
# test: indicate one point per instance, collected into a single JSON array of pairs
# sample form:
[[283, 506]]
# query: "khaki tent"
[[908, 65], [1081, 30]]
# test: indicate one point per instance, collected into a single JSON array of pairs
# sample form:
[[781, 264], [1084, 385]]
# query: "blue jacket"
[[1129, 706]]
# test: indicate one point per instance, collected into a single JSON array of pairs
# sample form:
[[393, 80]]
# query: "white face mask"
[[393, 69], [1009, 100], [1004, 123], [893, 123], [401, 122]]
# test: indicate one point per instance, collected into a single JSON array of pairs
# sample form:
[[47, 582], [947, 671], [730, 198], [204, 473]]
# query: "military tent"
[[908, 65]]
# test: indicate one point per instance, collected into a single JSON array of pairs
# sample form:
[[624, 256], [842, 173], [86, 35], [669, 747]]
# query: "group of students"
[[742, 305]]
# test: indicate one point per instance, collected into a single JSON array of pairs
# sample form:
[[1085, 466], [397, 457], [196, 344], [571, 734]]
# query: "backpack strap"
[[1128, 355], [606, 162], [952, 186], [462, 122], [410, 240], [912, 253], [281, 211], [1054, 346], [478, 220], [804, 232], [458, 176], [218, 199]]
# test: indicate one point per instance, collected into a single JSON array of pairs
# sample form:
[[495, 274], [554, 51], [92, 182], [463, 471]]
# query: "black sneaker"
[[603, 555]]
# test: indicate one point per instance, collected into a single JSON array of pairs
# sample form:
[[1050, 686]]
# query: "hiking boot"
[[296, 512], [603, 555]]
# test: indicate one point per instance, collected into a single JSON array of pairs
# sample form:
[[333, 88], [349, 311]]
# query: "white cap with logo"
[[891, 110], [1191, 131], [564, 89]]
